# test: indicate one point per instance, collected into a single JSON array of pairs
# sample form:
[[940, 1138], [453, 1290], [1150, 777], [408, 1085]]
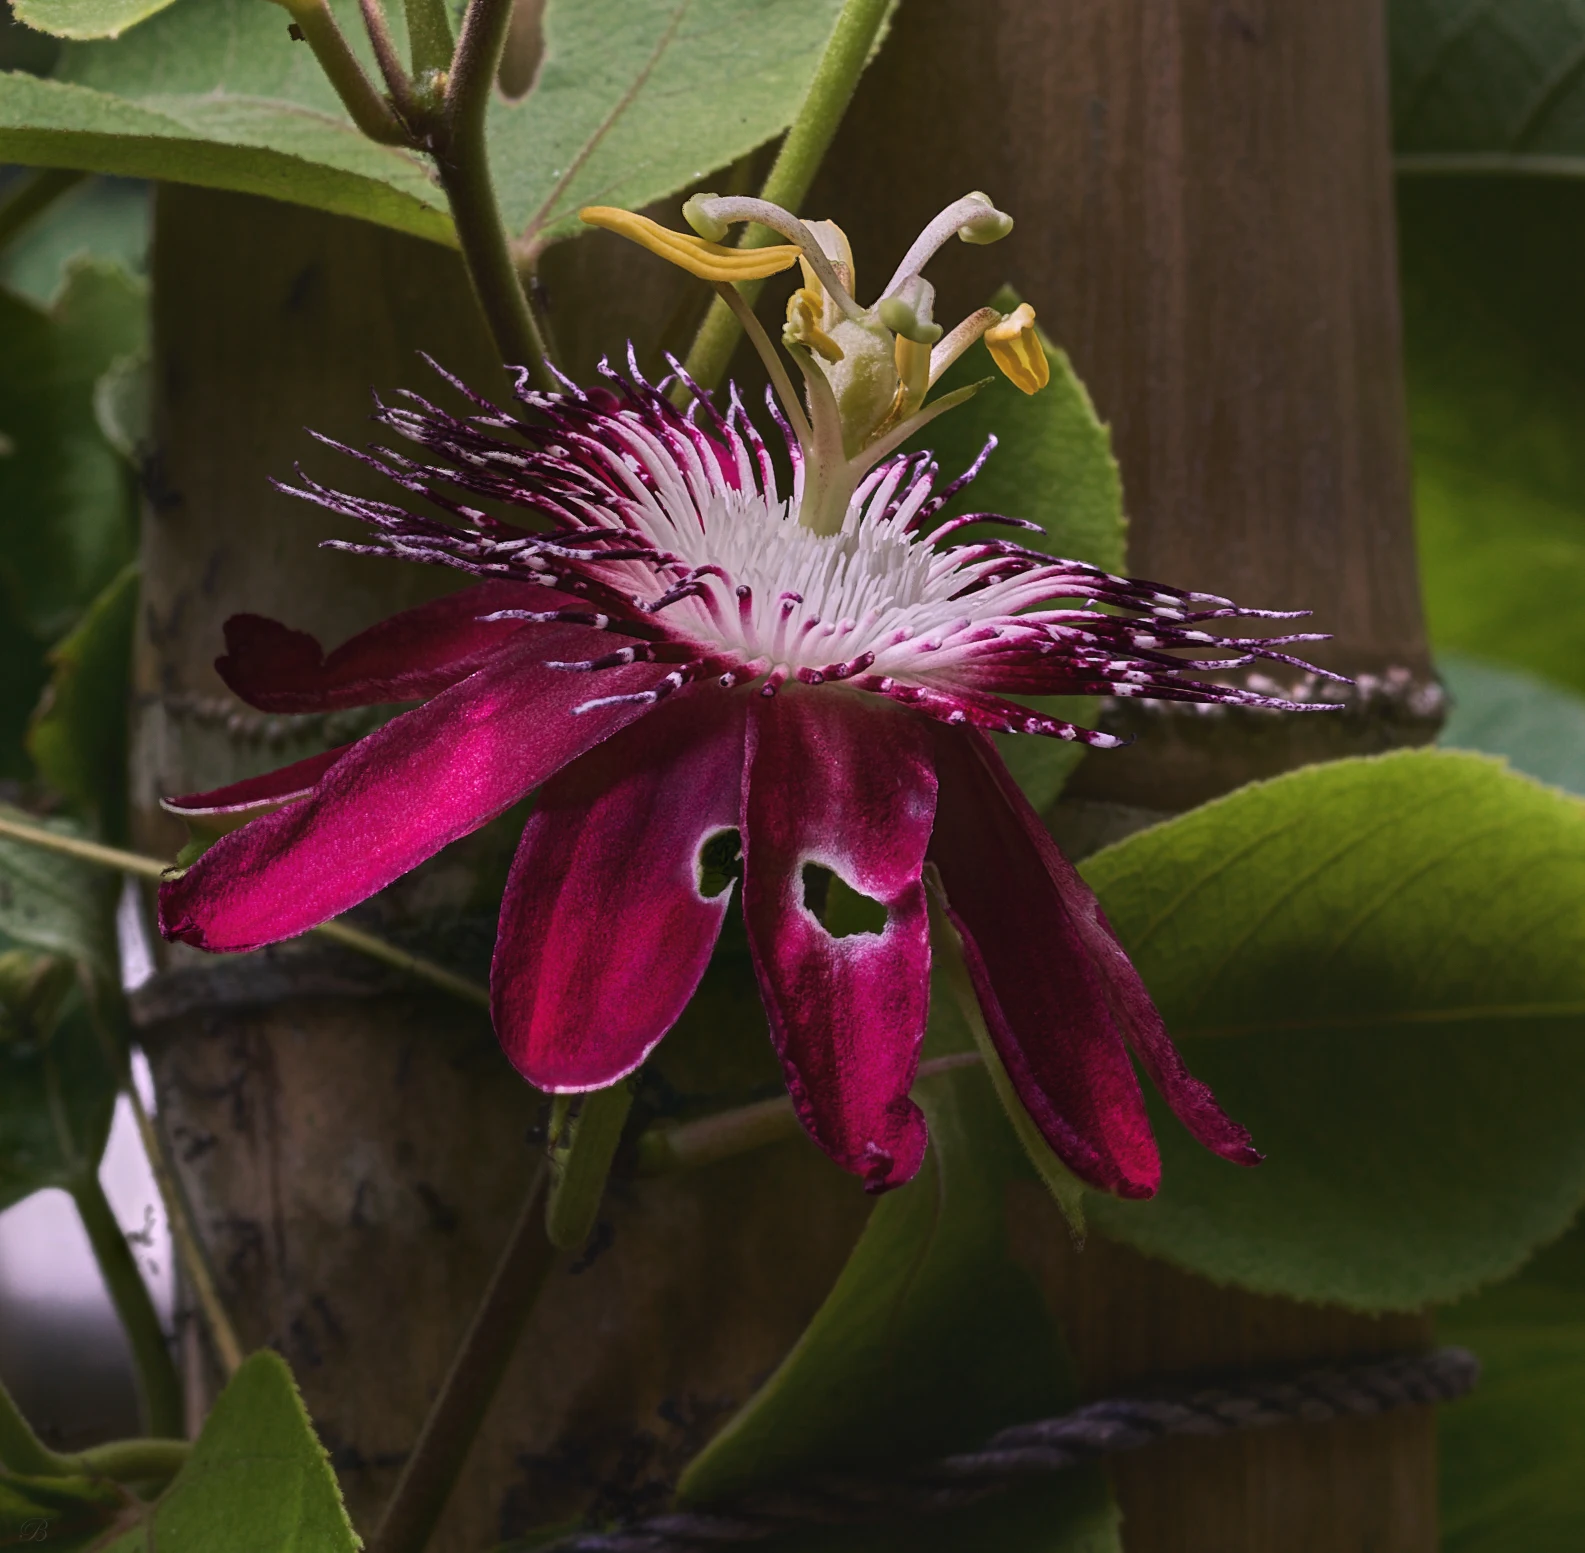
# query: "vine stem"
[[184, 1233], [808, 139], [122, 1461], [344, 933], [476, 1371], [675, 1146], [368, 109], [462, 158], [158, 1381]]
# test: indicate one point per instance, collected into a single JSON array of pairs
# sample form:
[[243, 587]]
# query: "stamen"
[[973, 218], [1016, 349], [709, 261]]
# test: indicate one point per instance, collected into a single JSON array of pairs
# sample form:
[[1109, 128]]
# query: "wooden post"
[[1203, 200]]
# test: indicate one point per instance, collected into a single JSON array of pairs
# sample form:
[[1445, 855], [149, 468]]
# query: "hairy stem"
[[339, 932], [581, 1164], [21, 1450], [462, 158], [158, 1382], [32, 196], [674, 1146], [807, 141], [454, 1421], [369, 110], [122, 1461], [429, 35]]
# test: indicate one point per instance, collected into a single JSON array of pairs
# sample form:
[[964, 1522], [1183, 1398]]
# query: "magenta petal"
[[407, 657], [285, 785], [401, 794], [1008, 894], [604, 933], [845, 782], [1059, 994]]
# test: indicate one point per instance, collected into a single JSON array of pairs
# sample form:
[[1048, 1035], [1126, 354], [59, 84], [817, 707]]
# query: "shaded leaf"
[[280, 150], [1495, 350], [1053, 465], [66, 518], [78, 738], [102, 218], [1379, 967], [258, 1481], [1510, 1452], [931, 1340], [1493, 78], [123, 408], [636, 99], [1537, 727], [56, 903], [57, 1098], [85, 18], [631, 102]]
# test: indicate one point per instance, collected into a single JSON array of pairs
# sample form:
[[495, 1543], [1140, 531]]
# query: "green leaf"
[[281, 150], [1537, 727], [1492, 79], [102, 218], [64, 1515], [1379, 967], [258, 1481], [56, 903], [931, 1340], [1054, 465], [633, 100], [124, 410], [85, 18], [57, 1098], [1495, 350], [636, 99], [66, 518], [1510, 1453], [78, 739]]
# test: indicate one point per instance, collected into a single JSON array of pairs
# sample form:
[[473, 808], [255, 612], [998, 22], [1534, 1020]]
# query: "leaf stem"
[[462, 158], [581, 1164], [184, 1234], [339, 932], [369, 110], [808, 139], [32, 196], [158, 1381], [675, 1146], [122, 1461], [429, 35], [21, 1450], [453, 1422]]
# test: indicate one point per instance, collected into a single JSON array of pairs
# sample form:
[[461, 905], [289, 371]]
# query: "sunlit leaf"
[[85, 18], [1379, 967]]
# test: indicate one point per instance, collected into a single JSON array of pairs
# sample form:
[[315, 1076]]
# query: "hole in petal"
[[842, 910], [720, 862]]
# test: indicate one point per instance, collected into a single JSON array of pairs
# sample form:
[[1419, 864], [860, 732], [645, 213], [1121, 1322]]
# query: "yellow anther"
[[804, 310], [913, 374], [709, 261], [1016, 349]]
